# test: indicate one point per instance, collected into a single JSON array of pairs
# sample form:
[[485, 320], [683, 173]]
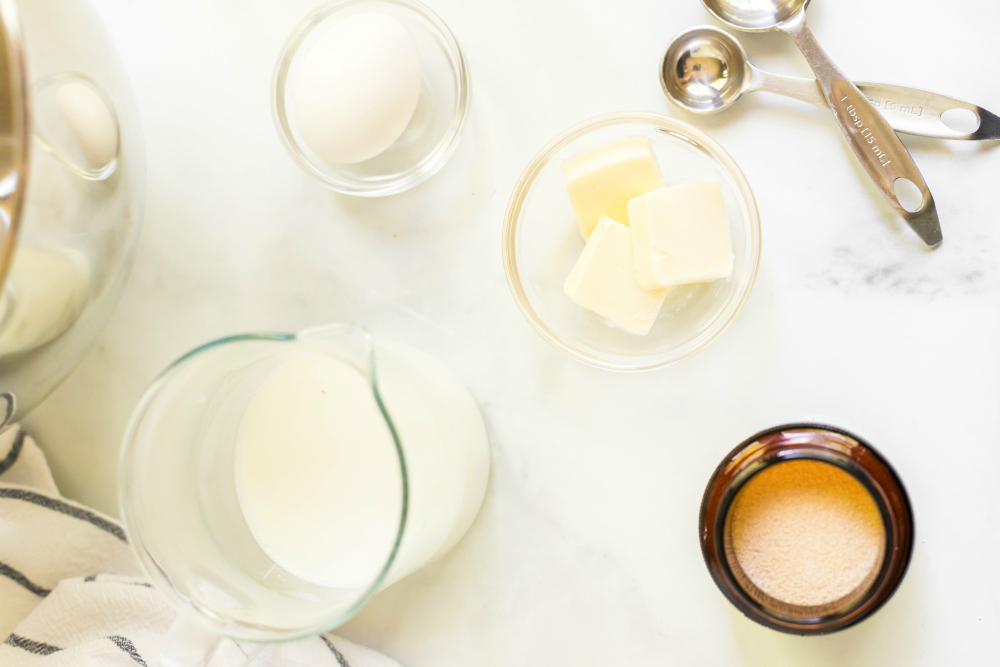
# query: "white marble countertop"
[[586, 550]]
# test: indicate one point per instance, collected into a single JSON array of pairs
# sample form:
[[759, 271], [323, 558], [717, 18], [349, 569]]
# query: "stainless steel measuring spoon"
[[870, 137], [705, 70]]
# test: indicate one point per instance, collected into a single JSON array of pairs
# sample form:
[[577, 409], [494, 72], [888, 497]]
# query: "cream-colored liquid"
[[317, 474], [45, 293]]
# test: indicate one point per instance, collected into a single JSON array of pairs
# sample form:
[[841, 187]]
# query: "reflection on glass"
[[45, 293], [76, 122]]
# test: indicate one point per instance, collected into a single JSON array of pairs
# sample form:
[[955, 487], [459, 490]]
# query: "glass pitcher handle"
[[189, 644]]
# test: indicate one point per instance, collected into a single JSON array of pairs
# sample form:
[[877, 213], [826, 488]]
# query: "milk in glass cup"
[[272, 483]]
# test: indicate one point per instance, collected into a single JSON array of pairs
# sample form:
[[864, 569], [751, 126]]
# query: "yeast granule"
[[806, 533]]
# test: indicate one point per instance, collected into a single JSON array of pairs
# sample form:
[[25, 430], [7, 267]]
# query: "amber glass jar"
[[818, 443]]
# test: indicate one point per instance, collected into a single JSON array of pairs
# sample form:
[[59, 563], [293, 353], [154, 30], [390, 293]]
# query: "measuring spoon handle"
[[908, 110], [916, 111], [870, 137], [798, 88]]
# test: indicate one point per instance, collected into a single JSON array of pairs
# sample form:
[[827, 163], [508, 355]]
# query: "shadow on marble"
[[748, 350], [892, 636], [445, 202], [750, 104], [917, 144], [520, 589]]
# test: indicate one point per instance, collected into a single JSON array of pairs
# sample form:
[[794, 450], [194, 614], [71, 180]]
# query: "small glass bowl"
[[815, 442], [434, 130], [542, 241]]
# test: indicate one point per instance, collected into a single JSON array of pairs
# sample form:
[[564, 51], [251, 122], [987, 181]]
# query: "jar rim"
[[808, 441]]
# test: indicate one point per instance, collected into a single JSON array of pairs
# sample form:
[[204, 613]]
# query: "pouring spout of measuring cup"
[[352, 343], [190, 644]]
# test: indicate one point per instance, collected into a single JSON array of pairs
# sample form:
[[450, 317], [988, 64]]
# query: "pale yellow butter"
[[601, 181], [603, 280], [680, 235]]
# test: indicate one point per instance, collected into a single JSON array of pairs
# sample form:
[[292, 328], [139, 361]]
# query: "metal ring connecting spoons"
[[870, 137], [705, 70]]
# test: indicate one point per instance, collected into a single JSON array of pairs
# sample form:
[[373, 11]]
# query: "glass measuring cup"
[[272, 483]]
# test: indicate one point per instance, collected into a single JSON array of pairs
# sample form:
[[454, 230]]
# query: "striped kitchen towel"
[[72, 591]]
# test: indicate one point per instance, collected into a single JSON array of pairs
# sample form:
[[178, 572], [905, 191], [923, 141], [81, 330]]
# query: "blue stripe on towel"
[[67, 509], [337, 654], [23, 581], [127, 646], [31, 646], [15, 451]]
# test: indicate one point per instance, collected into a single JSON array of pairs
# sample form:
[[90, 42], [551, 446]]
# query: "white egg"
[[356, 88], [89, 119]]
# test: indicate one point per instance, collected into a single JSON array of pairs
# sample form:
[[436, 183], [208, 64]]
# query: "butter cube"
[[680, 235], [601, 181], [603, 280]]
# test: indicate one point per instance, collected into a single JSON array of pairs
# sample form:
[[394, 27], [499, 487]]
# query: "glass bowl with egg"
[[543, 245], [370, 96]]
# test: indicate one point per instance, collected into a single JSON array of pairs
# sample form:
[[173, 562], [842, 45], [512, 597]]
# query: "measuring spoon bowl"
[[755, 15], [704, 70]]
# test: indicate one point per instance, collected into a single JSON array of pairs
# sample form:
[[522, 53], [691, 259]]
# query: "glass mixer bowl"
[[72, 181]]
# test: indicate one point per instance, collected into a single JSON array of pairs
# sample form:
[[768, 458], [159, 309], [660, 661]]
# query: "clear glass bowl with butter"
[[542, 241]]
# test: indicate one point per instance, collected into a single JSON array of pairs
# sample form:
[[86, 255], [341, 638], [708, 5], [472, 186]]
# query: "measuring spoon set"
[[705, 70]]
